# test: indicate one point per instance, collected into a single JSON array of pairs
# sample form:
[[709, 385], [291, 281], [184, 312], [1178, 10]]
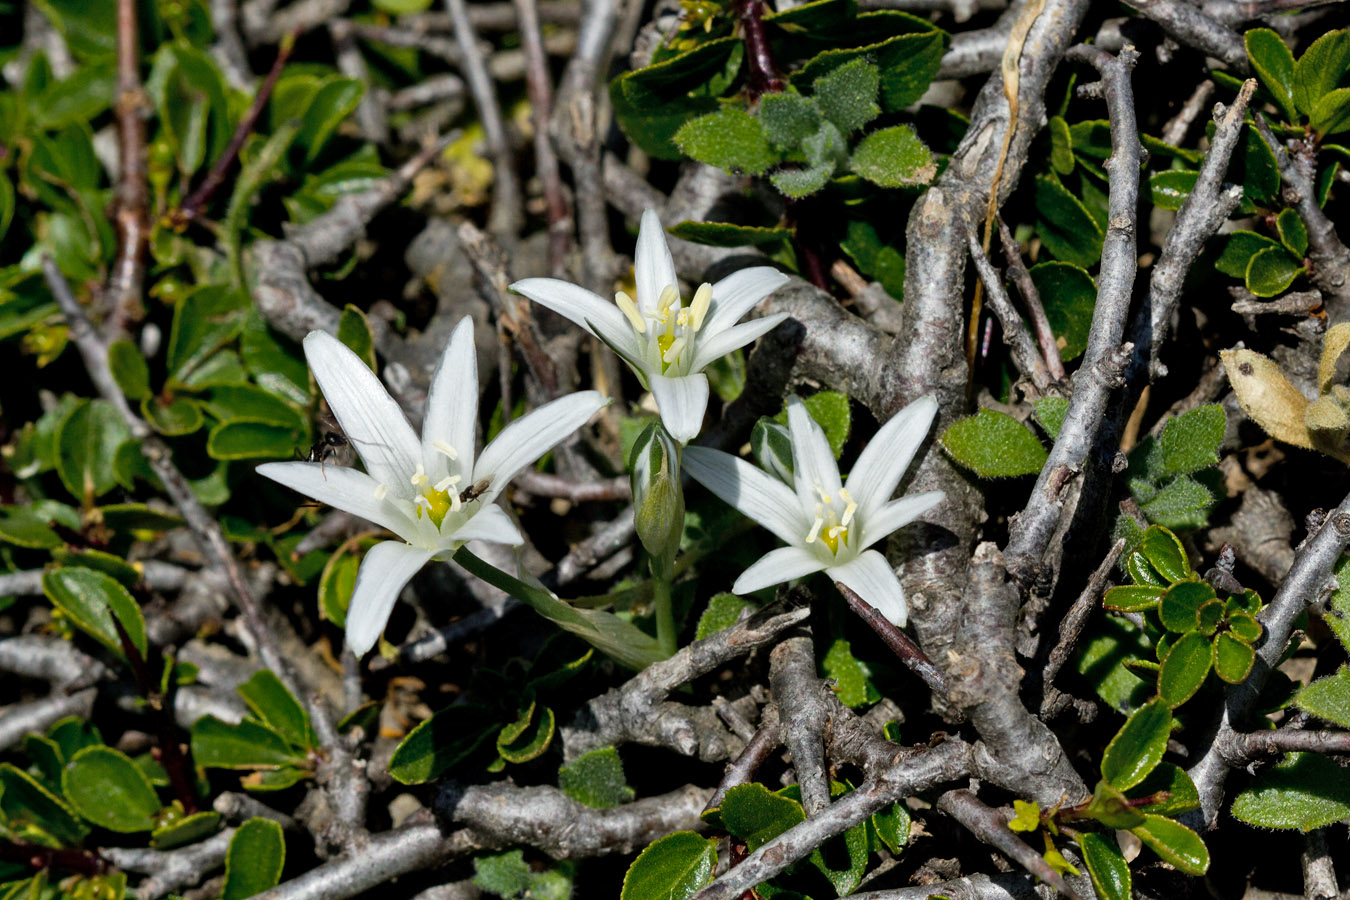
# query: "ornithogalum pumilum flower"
[[828, 524], [664, 342], [434, 493]]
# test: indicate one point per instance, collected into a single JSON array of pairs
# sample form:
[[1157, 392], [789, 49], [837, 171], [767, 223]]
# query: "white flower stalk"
[[434, 493], [664, 342], [828, 524]]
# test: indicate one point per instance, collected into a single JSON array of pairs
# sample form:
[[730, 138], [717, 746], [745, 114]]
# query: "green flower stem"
[[616, 637], [665, 614]]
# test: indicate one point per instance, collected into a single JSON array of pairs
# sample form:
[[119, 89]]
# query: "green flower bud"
[[658, 497], [772, 446]]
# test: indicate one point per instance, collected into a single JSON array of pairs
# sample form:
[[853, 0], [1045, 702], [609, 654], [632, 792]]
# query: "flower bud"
[[772, 446], [658, 497]]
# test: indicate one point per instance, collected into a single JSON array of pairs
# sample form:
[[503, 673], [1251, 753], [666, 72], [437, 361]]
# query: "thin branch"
[[1031, 297], [539, 87], [542, 484], [991, 826], [172, 870], [1071, 628], [909, 652], [1023, 349], [799, 696], [1255, 745], [1188, 25], [742, 769], [126, 284]]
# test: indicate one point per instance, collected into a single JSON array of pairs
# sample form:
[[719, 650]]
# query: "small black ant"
[[475, 490], [327, 447]]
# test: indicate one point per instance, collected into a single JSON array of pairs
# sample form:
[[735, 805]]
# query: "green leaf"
[[788, 119], [724, 610], [1239, 250], [249, 439], [1173, 788], [86, 442], [187, 830], [848, 95], [1175, 844], [1274, 65], [275, 367], [1181, 604], [1305, 791], [907, 62], [269, 700], [1233, 659], [1170, 189], [528, 737], [1069, 297], [1132, 598], [440, 742], [203, 321], [874, 257], [1320, 69], [1184, 669], [1182, 503], [1271, 271], [726, 234], [1190, 441], [336, 584], [1332, 113], [24, 803], [90, 599], [175, 416], [831, 411], [1338, 613], [247, 745], [1106, 865], [1138, 747], [1064, 224], [6, 205], [798, 183], [894, 157], [402, 7], [1061, 146], [24, 528], [504, 874], [652, 104], [755, 815], [1293, 233], [892, 826], [852, 677], [1165, 554], [826, 148], [129, 369], [255, 859], [244, 401], [730, 139], [110, 790], [1328, 698], [994, 445], [1257, 173], [673, 868], [596, 779]]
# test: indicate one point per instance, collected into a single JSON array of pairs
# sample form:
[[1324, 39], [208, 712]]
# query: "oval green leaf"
[[1304, 792], [90, 599], [1271, 271], [1180, 606], [1184, 669], [254, 861], [1274, 65], [1138, 747], [1165, 553], [110, 790], [994, 445], [1107, 867], [1328, 698], [1232, 659], [1132, 598], [673, 868], [1175, 843]]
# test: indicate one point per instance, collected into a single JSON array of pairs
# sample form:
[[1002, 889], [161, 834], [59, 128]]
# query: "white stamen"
[[669, 295], [447, 482], [629, 309], [815, 530], [674, 352], [455, 502], [381, 490], [699, 306], [419, 477], [445, 448], [836, 531], [823, 496]]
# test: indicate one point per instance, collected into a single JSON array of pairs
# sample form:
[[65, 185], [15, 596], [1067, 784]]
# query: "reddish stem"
[[85, 862], [764, 75]]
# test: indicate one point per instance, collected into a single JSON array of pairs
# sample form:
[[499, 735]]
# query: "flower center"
[[831, 527], [435, 500], [673, 326]]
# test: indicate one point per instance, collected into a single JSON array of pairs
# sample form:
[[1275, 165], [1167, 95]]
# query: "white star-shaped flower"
[[419, 489], [827, 524], [665, 343]]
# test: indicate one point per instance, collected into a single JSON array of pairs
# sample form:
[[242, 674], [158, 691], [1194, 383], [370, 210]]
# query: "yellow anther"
[[444, 448], [381, 490], [700, 304], [669, 295], [630, 310], [848, 510], [825, 498], [682, 318]]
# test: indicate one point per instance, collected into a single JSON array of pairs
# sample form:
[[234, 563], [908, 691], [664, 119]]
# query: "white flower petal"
[[897, 514], [884, 460], [522, 442], [452, 406], [653, 269], [369, 417], [591, 311], [870, 577], [737, 294], [813, 465], [386, 569], [682, 401], [776, 567], [714, 346], [491, 523], [752, 491], [345, 489]]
